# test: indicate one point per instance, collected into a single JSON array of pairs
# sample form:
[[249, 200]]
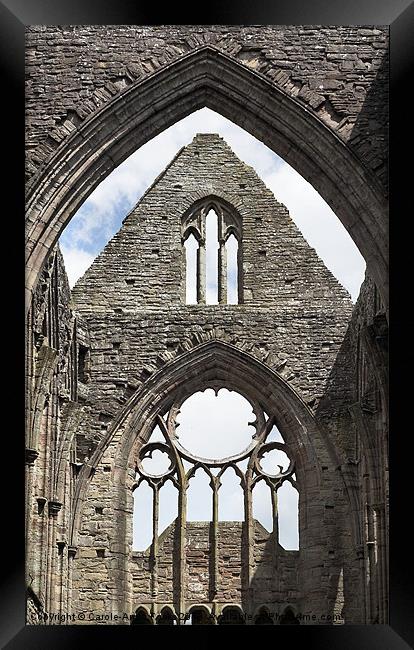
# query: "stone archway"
[[206, 77], [213, 361]]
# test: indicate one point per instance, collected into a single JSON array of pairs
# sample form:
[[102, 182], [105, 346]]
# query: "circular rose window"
[[215, 426]]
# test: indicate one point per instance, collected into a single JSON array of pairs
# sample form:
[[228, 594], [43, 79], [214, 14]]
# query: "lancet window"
[[212, 243]]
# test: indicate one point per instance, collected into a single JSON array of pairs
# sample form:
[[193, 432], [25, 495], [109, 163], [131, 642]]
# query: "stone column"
[[215, 483], [71, 556], [222, 273], [275, 535], [201, 272], [154, 548]]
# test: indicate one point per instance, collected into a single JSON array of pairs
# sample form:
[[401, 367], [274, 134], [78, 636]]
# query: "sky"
[[100, 217], [216, 426]]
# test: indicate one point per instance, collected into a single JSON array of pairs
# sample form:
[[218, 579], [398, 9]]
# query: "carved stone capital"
[[41, 502], [54, 507], [30, 456], [72, 550], [360, 551], [61, 545]]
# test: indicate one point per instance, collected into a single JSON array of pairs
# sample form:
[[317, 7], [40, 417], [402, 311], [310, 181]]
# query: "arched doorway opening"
[[288, 617], [263, 617], [231, 616], [142, 617]]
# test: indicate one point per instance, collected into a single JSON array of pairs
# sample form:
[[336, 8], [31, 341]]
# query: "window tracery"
[[223, 252], [264, 459]]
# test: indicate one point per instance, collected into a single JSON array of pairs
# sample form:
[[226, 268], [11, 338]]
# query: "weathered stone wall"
[[293, 318], [339, 73], [52, 412], [34, 609], [88, 359], [355, 411], [317, 96], [294, 314], [266, 584], [143, 266]]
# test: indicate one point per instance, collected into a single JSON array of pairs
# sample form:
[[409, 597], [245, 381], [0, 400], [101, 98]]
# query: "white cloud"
[[216, 426], [319, 225], [77, 261], [101, 215], [213, 426]]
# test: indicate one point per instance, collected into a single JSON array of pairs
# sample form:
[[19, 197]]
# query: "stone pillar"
[[154, 547], [215, 483], [222, 273], [51, 603], [71, 556], [201, 272]]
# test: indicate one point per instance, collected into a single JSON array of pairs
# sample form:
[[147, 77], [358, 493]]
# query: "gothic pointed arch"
[[229, 223], [221, 363], [214, 364], [204, 77]]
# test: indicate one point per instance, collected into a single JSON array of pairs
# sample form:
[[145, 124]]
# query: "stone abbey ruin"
[[113, 360]]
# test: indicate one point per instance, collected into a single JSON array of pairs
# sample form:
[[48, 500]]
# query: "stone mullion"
[[182, 523], [201, 261], [215, 553], [275, 531], [222, 272], [249, 536], [154, 547], [201, 272], [239, 271], [222, 259]]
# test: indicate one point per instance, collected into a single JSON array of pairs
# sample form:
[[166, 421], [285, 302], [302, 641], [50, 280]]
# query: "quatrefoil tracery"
[[176, 453]]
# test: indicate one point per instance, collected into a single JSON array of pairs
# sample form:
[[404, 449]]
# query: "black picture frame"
[[14, 16]]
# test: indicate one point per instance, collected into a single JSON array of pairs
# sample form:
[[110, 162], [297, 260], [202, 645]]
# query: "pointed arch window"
[[257, 457], [212, 243]]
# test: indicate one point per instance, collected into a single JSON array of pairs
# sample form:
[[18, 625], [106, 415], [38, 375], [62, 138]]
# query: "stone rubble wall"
[[339, 73]]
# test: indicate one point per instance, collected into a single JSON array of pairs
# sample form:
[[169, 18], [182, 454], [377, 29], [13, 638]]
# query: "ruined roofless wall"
[[293, 318], [339, 73], [294, 313]]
